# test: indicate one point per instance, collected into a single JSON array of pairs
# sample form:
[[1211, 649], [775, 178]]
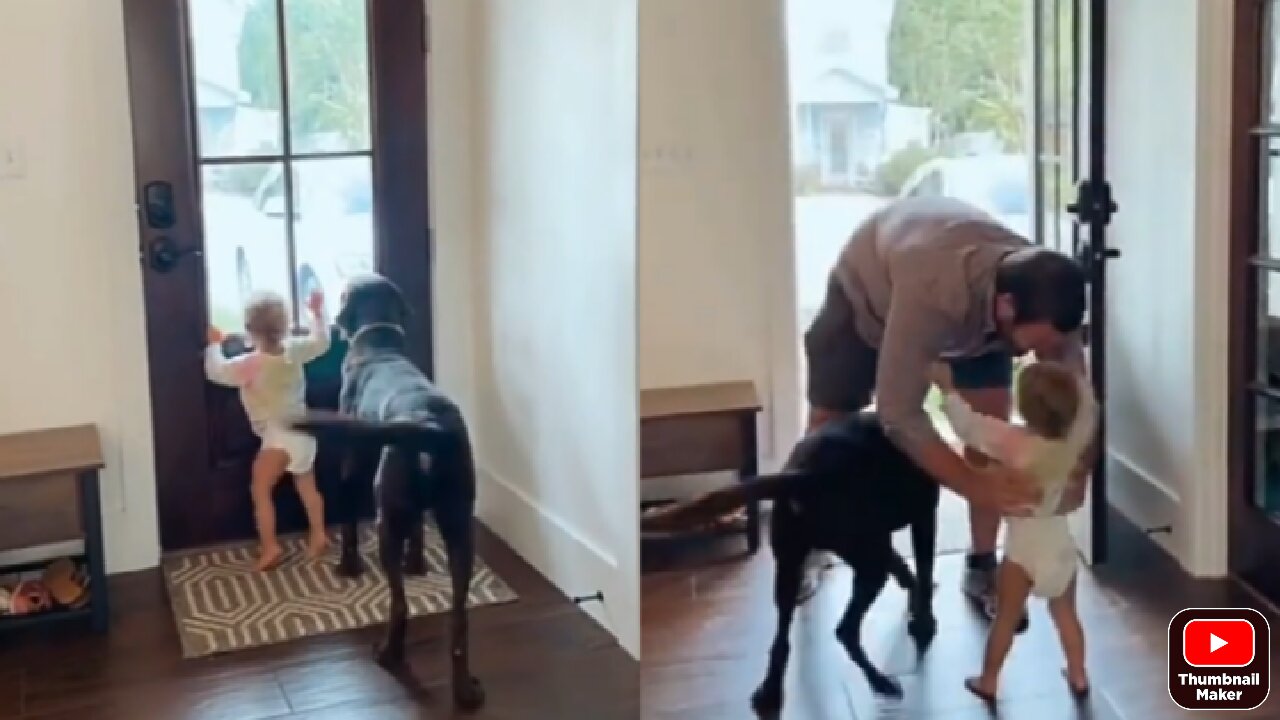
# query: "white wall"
[[70, 284], [555, 124], [1168, 146], [715, 235]]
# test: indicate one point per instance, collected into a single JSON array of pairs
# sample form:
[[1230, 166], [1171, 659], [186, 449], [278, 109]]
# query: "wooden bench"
[[700, 429], [49, 493]]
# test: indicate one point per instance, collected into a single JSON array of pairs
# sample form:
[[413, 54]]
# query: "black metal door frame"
[[1093, 209], [1093, 206]]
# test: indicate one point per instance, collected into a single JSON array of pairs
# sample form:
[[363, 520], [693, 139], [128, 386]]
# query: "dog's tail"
[[328, 425], [686, 515]]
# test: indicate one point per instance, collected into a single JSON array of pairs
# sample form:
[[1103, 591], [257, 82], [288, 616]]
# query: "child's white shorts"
[[300, 447]]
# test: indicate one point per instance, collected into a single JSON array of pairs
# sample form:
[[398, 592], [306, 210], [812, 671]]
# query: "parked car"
[[997, 184], [245, 238]]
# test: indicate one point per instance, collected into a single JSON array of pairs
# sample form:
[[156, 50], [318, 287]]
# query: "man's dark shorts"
[[841, 367]]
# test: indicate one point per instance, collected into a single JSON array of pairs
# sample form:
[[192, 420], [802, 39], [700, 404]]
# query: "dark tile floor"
[[539, 658], [706, 632]]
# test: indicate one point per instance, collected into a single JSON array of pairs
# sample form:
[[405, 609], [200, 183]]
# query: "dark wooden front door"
[[1254, 407], [279, 145]]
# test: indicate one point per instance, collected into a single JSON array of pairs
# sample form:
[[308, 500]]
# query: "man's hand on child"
[[1014, 491], [215, 336], [940, 375]]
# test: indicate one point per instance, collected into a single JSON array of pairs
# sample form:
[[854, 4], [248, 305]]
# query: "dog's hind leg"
[[415, 558], [922, 625], [358, 468], [394, 522], [867, 584], [901, 572], [454, 520], [767, 699], [391, 537]]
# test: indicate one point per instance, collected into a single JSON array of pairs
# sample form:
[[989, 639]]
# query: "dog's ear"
[[402, 306], [345, 319]]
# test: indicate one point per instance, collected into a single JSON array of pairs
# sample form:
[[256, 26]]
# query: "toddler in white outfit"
[[1060, 416], [272, 387]]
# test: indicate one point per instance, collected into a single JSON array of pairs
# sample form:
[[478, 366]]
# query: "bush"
[[893, 173]]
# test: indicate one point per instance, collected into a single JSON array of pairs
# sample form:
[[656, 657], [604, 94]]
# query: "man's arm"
[[907, 352]]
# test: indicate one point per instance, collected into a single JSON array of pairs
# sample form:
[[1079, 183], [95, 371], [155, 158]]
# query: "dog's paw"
[[350, 566], [390, 656], [922, 629], [415, 564], [468, 694], [767, 699], [885, 686]]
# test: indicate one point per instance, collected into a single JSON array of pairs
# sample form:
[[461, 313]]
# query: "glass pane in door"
[[1266, 444], [333, 223], [245, 241], [327, 45], [235, 65], [1269, 185], [1057, 113], [1268, 337]]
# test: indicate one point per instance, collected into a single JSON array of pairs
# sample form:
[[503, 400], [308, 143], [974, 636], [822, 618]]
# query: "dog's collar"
[[376, 326]]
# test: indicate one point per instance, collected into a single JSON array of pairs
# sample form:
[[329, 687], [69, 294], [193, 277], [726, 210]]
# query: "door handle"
[[162, 254]]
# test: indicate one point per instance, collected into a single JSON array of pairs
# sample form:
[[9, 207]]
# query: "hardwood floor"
[[538, 658], [706, 632]]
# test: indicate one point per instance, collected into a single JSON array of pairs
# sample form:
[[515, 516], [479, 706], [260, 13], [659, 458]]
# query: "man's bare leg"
[[984, 525]]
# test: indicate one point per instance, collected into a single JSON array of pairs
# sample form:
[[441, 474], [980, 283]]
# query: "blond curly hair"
[[1048, 398], [266, 318]]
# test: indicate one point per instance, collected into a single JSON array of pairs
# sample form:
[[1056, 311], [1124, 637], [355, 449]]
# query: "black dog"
[[845, 488], [407, 438]]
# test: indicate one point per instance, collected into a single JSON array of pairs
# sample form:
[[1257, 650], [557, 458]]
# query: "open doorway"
[[975, 100]]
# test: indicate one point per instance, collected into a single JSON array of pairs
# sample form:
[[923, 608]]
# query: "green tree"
[[963, 59], [327, 49]]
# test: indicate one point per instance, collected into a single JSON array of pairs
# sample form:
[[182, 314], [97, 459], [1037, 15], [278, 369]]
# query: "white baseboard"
[[1147, 502], [574, 564]]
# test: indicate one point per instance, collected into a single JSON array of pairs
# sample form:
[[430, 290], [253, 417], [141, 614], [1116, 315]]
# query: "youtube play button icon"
[[1227, 642], [1215, 644], [1219, 658]]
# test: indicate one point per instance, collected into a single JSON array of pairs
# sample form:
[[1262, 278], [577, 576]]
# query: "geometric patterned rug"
[[220, 604]]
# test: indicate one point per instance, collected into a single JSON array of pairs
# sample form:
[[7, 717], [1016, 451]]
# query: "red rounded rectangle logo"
[[1223, 642]]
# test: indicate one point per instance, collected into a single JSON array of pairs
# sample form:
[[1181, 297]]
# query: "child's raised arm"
[[316, 342], [996, 438], [233, 373]]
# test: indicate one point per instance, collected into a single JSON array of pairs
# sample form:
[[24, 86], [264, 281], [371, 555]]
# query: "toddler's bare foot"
[[269, 558], [317, 545], [982, 687]]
